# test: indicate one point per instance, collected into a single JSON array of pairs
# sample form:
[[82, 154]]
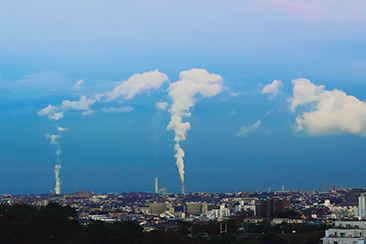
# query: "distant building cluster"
[[345, 209]]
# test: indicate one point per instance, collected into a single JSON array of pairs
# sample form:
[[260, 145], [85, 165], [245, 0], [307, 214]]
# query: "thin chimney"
[[156, 185]]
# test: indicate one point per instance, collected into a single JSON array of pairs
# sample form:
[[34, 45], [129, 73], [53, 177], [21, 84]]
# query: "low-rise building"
[[346, 232], [246, 204], [278, 221], [219, 214]]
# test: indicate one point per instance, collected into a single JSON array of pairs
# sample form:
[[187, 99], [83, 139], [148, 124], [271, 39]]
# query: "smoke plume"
[[182, 92], [57, 177], [54, 141]]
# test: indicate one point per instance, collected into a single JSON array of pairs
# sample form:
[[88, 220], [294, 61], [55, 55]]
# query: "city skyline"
[[100, 95]]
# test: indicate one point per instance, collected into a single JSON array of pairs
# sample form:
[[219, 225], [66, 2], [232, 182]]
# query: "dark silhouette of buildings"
[[272, 207]]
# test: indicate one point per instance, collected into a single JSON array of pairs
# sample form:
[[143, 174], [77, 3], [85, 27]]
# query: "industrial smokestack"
[[183, 192], [156, 185]]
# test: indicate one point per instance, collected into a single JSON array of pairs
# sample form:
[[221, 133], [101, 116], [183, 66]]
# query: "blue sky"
[[124, 57]]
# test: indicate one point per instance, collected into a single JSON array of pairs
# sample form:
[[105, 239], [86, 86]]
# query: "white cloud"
[[136, 84], [51, 112], [57, 116], [57, 112], [59, 128], [305, 92], [162, 105], [244, 131], [124, 109], [274, 88], [334, 111], [78, 84], [83, 103]]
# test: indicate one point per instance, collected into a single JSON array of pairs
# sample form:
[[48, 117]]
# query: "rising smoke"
[[136, 84], [54, 141], [182, 93], [57, 178]]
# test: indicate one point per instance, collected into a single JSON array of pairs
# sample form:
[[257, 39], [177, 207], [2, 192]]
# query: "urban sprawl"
[[343, 210]]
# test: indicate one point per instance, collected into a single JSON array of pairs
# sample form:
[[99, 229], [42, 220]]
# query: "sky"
[[240, 95]]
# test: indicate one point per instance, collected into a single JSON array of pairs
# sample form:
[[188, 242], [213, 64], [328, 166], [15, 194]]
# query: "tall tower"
[[183, 192], [156, 185]]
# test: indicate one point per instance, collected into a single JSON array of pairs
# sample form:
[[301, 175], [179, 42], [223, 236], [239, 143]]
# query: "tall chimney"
[[183, 192], [156, 185]]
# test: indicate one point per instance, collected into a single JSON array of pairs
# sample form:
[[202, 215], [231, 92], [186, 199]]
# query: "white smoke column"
[[54, 141], [57, 177], [182, 93]]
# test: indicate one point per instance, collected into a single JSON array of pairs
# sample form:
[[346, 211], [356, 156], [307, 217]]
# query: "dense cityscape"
[[293, 216]]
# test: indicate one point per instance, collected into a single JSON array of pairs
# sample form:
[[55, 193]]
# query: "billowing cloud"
[[182, 92], [274, 88], [123, 109], [162, 105], [136, 84], [244, 130], [333, 112], [305, 92]]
